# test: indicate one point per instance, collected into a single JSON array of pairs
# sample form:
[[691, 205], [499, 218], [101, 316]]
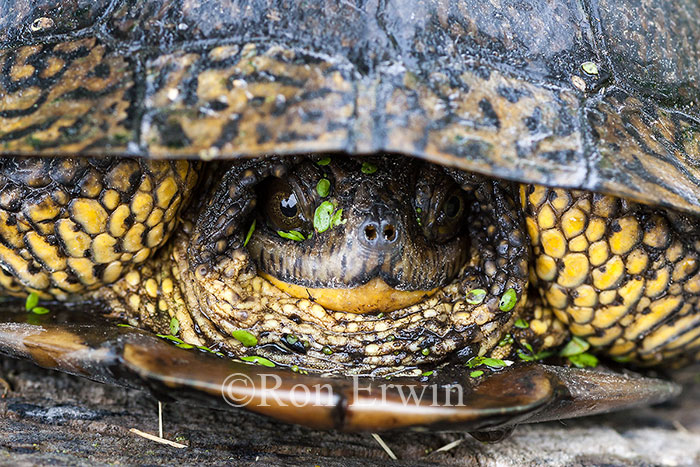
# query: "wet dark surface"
[[52, 417], [652, 43]]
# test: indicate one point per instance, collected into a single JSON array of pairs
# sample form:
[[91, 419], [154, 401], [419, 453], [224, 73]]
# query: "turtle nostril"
[[380, 234], [370, 232], [389, 233]]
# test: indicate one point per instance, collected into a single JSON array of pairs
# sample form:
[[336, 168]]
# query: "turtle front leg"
[[72, 225], [623, 276]]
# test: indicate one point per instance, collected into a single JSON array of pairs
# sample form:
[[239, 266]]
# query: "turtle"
[[442, 194]]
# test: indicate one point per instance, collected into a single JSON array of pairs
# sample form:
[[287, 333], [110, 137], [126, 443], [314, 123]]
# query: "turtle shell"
[[593, 94]]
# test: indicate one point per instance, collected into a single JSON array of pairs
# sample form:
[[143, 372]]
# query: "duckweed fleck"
[[207, 349], [291, 339], [292, 235], [522, 324], [532, 356], [244, 337], [323, 216], [584, 360], [323, 187], [250, 233], [507, 339], [337, 218], [590, 68], [488, 361], [32, 301], [259, 360], [174, 326], [177, 340], [574, 347], [508, 300], [368, 168], [475, 296]]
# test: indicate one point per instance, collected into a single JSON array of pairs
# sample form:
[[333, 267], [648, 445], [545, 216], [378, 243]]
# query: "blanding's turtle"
[[422, 190]]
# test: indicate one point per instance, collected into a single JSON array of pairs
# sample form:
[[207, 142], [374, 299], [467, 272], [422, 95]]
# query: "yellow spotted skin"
[[75, 224], [624, 276]]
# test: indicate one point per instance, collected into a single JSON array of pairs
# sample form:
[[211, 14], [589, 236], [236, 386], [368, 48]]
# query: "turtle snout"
[[380, 232]]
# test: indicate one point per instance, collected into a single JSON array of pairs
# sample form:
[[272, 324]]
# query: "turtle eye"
[[448, 219], [440, 211], [453, 207], [281, 205], [288, 206]]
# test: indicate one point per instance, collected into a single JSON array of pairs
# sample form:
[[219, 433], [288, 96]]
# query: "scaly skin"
[[211, 278], [627, 310], [623, 276], [69, 225]]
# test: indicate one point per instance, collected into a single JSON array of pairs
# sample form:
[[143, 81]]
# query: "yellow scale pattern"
[[72, 225], [624, 276]]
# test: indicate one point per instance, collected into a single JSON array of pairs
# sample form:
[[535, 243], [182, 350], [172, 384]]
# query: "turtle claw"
[[594, 391], [449, 400]]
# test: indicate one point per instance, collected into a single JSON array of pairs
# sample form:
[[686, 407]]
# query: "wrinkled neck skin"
[[217, 279]]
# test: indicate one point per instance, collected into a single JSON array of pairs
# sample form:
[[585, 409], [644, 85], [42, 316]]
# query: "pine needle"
[[384, 446], [157, 439], [448, 446], [160, 419]]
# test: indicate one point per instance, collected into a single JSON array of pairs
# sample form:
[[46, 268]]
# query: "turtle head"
[[360, 235], [382, 261]]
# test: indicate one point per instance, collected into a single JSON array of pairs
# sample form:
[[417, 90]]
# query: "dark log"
[[50, 417]]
